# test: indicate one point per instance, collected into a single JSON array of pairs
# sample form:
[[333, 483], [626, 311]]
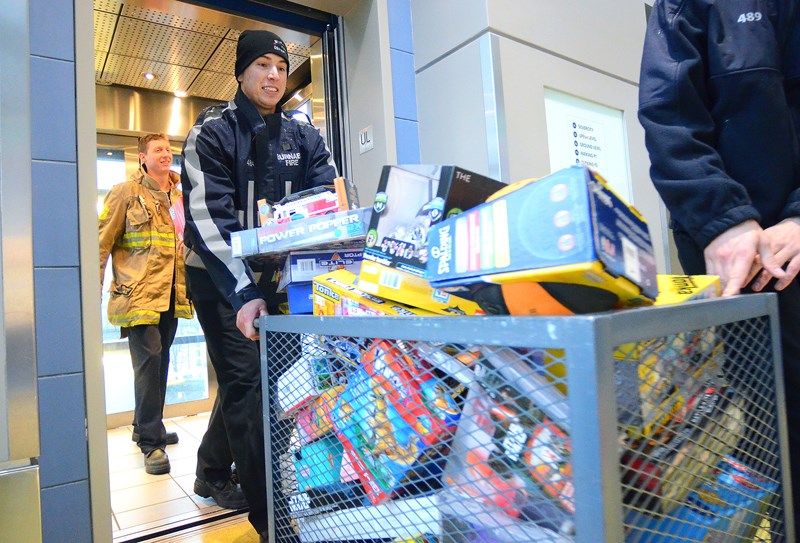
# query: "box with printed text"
[[336, 294], [568, 227], [335, 231]]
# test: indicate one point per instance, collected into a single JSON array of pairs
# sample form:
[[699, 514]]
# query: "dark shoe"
[[225, 493], [172, 438], [156, 462]]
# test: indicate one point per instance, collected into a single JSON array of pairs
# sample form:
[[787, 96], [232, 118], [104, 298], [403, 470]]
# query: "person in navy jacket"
[[719, 100], [235, 155]]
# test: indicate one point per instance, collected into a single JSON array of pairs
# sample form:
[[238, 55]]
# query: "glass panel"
[[188, 369]]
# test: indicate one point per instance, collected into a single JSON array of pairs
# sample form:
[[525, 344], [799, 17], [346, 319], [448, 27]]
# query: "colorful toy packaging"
[[333, 232], [336, 294], [314, 420], [387, 427], [726, 508], [673, 289], [410, 199], [318, 463], [301, 267], [658, 472], [509, 468], [566, 228]]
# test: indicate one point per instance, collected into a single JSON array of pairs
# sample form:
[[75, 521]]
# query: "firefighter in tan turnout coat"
[[148, 289]]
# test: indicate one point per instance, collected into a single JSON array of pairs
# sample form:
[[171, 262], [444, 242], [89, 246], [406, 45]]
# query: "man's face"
[[158, 157], [264, 82]]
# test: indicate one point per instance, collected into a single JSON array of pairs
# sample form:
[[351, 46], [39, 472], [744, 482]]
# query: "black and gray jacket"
[[719, 99], [232, 158]]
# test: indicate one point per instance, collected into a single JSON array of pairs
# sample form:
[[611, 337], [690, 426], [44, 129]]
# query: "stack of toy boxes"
[[308, 391], [568, 228], [410, 200], [301, 267]]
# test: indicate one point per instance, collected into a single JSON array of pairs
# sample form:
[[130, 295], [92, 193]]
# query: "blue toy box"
[[726, 509], [568, 227]]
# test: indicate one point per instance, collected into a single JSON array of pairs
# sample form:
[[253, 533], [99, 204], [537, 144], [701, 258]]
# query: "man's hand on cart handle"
[[247, 315]]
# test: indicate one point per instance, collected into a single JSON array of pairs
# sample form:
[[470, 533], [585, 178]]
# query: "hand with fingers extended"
[[738, 254], [247, 315]]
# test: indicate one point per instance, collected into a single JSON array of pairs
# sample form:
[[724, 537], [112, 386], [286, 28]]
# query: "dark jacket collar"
[[248, 110]]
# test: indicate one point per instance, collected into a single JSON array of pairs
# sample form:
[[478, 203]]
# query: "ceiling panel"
[[99, 60], [111, 6], [128, 71], [103, 29], [174, 21], [182, 43], [224, 58], [146, 40], [215, 85]]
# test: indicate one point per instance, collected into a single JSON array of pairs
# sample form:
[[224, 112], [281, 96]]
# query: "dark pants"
[[693, 262], [235, 429], [149, 346]]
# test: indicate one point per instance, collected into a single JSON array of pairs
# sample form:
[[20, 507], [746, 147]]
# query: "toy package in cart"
[[726, 508], [568, 233], [389, 430], [509, 471], [409, 201]]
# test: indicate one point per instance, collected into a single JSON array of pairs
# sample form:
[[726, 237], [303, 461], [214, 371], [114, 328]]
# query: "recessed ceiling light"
[[180, 94], [149, 76]]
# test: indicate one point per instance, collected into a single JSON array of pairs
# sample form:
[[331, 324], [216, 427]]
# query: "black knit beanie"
[[254, 43]]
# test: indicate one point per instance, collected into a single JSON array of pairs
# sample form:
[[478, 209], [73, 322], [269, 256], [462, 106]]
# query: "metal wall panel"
[[19, 420], [21, 513]]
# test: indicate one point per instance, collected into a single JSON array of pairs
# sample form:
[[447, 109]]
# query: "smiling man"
[[147, 292], [235, 155]]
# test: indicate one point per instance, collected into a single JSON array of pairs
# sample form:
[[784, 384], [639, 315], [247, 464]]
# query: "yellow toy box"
[[335, 294], [409, 289]]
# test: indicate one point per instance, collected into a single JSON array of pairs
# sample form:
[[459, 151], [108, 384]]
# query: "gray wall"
[[482, 74]]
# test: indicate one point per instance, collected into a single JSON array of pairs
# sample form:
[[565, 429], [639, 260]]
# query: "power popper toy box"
[[568, 227], [344, 230]]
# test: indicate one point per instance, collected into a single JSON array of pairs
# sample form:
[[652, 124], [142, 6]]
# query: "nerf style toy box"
[[568, 228], [335, 231], [336, 294], [301, 267]]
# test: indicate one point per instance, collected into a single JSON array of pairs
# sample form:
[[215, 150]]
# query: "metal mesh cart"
[[652, 425]]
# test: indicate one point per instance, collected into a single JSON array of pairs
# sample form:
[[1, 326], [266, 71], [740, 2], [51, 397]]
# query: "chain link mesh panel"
[[418, 441], [699, 436]]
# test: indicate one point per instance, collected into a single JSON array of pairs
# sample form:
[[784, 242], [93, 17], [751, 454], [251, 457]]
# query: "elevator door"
[[158, 63]]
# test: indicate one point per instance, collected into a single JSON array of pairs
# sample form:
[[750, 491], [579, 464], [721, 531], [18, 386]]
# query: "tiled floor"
[[142, 503]]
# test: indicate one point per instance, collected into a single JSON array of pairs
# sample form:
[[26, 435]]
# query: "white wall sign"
[[584, 132], [365, 142]]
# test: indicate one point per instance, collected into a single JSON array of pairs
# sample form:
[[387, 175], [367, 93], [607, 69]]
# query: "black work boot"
[[225, 493], [156, 462]]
